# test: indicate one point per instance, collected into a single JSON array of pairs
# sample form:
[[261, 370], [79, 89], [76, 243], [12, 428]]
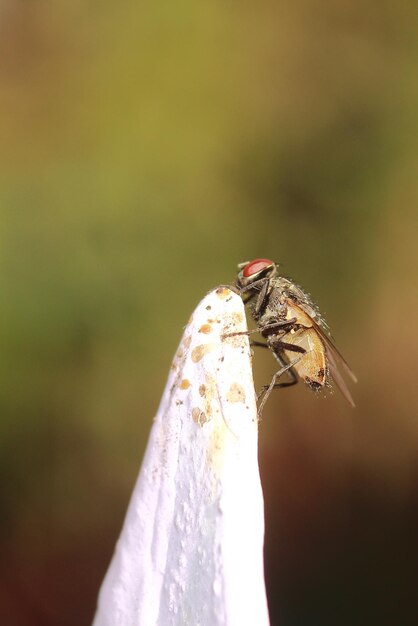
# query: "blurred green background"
[[147, 148]]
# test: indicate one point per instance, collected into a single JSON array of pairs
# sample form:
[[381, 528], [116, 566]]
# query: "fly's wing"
[[301, 301], [335, 357], [333, 348]]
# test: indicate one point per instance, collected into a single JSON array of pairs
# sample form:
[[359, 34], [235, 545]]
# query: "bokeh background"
[[146, 149]]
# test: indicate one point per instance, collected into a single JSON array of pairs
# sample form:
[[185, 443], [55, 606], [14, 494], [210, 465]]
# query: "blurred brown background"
[[145, 151]]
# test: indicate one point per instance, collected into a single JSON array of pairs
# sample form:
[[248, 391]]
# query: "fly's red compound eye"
[[256, 266]]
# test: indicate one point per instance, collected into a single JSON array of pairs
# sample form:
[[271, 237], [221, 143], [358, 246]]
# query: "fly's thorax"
[[301, 298], [295, 311], [276, 304]]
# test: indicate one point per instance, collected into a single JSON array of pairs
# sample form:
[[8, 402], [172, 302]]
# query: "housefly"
[[293, 330]]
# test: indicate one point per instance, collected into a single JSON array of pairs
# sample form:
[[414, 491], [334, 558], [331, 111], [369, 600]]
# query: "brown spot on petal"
[[200, 351], [187, 341], [222, 292], [185, 384], [199, 417], [202, 390], [206, 329], [235, 393], [237, 318]]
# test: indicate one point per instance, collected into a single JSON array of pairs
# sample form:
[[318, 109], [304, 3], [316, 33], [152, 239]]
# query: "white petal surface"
[[191, 548]]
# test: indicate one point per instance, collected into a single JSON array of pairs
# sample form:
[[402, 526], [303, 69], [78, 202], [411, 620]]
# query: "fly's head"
[[253, 274]]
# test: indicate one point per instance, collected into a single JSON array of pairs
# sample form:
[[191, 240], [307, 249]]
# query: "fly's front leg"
[[262, 297], [263, 285], [255, 285], [241, 290]]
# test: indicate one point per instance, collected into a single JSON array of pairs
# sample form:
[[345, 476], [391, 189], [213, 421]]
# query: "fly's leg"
[[258, 344], [262, 284], [249, 296], [266, 391], [253, 286], [262, 297], [292, 347], [243, 332], [290, 372], [282, 344], [281, 324], [286, 346], [287, 383], [286, 367]]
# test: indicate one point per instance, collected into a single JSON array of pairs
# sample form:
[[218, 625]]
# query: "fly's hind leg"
[[286, 367], [259, 344], [266, 391], [286, 383], [291, 373]]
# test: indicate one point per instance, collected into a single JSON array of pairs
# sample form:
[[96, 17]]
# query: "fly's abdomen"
[[312, 366]]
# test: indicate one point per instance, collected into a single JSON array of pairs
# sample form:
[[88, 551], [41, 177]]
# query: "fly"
[[292, 328]]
